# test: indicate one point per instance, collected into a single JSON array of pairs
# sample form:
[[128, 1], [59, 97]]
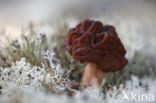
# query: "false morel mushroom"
[[99, 45]]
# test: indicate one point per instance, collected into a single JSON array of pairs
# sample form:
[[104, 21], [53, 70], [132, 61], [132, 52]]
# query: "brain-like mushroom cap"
[[91, 41]]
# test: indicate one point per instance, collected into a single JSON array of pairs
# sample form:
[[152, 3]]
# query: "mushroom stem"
[[92, 76]]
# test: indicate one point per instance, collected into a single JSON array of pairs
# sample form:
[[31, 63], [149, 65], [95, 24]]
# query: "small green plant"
[[30, 47]]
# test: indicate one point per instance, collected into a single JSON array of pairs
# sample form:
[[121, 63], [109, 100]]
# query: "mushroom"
[[99, 45]]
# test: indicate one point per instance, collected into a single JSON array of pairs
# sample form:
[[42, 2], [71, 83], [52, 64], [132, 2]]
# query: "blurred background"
[[16, 15]]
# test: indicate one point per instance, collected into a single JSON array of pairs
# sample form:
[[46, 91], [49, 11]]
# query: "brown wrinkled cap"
[[91, 41]]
